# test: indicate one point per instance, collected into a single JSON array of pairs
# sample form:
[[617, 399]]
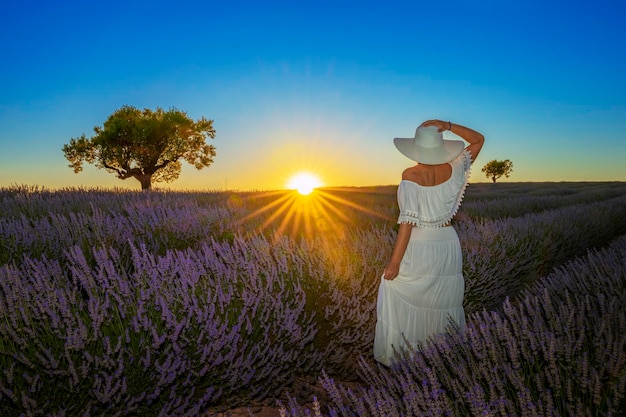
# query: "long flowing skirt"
[[426, 295]]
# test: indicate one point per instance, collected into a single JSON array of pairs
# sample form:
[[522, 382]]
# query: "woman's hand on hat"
[[440, 124]]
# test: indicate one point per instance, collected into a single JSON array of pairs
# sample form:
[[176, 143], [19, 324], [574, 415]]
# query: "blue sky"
[[318, 86]]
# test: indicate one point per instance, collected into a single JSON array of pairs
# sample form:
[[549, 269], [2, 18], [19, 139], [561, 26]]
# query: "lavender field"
[[116, 303]]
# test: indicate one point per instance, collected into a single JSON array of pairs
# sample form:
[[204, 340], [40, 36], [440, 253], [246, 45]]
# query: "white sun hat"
[[429, 147]]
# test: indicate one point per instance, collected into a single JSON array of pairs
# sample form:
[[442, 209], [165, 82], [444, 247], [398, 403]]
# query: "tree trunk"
[[494, 179], [145, 180]]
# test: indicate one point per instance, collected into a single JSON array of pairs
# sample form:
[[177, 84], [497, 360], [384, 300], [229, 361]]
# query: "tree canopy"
[[496, 169], [144, 144]]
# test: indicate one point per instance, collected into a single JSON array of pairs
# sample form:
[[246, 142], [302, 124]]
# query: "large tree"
[[495, 169], [144, 144]]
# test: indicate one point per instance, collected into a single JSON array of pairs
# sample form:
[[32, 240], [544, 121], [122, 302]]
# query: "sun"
[[304, 182]]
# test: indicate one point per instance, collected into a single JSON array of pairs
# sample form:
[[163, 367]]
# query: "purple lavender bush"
[[159, 224], [159, 335], [558, 351], [502, 257], [500, 201]]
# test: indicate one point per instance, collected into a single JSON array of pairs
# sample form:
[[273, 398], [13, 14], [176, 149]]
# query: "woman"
[[422, 286]]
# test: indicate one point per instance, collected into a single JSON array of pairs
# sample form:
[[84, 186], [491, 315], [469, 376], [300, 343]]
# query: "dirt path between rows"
[[304, 389]]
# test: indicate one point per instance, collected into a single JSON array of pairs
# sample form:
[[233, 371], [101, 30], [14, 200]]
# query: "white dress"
[[428, 292]]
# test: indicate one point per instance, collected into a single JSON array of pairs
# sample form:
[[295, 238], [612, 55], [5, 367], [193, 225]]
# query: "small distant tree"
[[144, 144], [495, 169]]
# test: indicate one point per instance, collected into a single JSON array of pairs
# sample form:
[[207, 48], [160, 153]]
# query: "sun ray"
[[291, 213], [323, 207], [325, 210], [265, 208], [352, 204], [325, 204], [308, 218], [284, 207]]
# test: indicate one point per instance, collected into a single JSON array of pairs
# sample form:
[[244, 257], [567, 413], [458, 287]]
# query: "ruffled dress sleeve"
[[429, 207], [462, 167]]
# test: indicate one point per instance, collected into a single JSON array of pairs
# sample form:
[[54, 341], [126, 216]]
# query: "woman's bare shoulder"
[[411, 173], [428, 175]]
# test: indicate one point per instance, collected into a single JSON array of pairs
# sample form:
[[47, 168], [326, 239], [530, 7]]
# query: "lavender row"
[[160, 225], [503, 257], [576, 277], [281, 309], [336, 282], [497, 201], [558, 351], [153, 335], [35, 203], [51, 222], [585, 191]]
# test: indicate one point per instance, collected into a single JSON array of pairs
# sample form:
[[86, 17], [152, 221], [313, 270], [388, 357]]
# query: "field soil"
[[304, 389]]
